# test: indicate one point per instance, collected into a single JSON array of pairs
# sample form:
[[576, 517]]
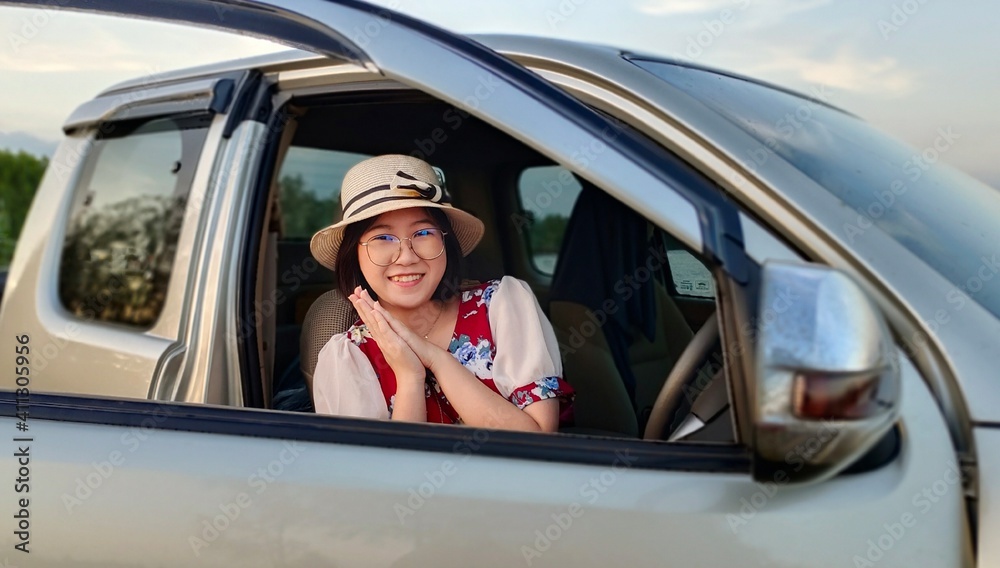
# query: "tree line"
[[20, 174], [304, 212]]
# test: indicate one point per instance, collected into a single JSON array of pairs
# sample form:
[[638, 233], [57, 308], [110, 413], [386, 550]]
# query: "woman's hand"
[[422, 348], [398, 354]]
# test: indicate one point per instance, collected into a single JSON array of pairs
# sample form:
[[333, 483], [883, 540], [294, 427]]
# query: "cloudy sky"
[[911, 67]]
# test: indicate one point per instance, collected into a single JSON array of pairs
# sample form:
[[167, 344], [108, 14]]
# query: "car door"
[[101, 270], [136, 483]]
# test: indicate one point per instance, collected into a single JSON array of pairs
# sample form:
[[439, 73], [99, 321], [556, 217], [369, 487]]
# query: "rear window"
[[126, 217], [547, 195], [309, 195]]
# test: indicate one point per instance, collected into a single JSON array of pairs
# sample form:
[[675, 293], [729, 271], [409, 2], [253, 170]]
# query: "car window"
[[623, 299], [889, 184], [547, 195], [126, 218], [690, 275], [310, 189]]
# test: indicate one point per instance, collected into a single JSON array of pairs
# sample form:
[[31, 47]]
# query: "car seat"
[[616, 355], [330, 314]]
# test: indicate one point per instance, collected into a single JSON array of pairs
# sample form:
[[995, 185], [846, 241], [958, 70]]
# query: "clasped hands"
[[407, 353]]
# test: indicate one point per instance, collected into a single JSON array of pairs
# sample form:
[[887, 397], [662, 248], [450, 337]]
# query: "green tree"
[[19, 177], [303, 211], [547, 234]]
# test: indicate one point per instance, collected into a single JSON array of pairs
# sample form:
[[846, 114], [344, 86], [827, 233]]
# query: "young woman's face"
[[409, 280]]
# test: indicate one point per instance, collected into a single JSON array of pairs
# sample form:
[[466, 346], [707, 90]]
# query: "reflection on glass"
[[942, 216], [310, 181], [127, 216], [547, 196]]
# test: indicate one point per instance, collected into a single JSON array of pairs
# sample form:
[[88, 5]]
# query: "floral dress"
[[529, 372]]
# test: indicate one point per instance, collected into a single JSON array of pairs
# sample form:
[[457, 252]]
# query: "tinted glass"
[[941, 215], [690, 276], [547, 195], [126, 219], [310, 189]]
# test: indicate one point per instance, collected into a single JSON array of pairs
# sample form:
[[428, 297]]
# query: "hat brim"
[[467, 229]]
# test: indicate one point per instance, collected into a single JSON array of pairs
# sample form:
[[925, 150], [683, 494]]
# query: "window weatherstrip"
[[208, 95]]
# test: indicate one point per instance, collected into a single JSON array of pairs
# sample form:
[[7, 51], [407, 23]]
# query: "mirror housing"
[[826, 381]]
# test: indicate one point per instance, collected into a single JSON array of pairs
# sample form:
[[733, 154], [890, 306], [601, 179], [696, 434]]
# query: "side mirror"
[[826, 384]]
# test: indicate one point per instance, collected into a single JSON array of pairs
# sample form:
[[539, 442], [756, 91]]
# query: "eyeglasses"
[[384, 250]]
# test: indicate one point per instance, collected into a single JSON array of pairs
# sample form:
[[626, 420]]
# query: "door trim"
[[565, 448]]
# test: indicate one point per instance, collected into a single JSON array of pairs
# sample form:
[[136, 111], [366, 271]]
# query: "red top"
[[472, 344]]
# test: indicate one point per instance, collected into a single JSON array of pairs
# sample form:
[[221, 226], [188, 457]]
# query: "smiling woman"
[[426, 349]]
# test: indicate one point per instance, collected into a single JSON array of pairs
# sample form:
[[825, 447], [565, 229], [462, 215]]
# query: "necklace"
[[431, 328]]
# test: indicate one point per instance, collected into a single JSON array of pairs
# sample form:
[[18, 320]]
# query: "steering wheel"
[[684, 372]]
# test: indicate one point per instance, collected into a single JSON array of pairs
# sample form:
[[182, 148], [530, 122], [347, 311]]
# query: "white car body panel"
[[330, 503]]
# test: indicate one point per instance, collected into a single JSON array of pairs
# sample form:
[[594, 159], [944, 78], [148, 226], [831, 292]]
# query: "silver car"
[[818, 390]]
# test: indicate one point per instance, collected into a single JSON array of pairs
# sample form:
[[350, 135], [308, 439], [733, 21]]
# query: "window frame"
[[507, 238], [183, 189]]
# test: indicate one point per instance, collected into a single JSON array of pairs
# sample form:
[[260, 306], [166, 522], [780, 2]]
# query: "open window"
[[617, 363]]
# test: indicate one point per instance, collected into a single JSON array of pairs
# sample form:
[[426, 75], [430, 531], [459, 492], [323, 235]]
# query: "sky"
[[910, 67]]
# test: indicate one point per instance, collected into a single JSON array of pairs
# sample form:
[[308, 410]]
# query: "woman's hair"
[[349, 273]]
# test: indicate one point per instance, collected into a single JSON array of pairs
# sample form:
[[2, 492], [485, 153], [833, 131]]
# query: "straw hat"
[[387, 183]]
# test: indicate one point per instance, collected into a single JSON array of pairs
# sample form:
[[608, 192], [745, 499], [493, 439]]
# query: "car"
[[813, 363]]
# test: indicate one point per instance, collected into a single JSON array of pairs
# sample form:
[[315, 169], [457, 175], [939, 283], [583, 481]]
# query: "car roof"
[[550, 48]]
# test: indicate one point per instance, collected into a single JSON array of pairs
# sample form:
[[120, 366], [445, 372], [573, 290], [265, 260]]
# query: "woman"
[[425, 350]]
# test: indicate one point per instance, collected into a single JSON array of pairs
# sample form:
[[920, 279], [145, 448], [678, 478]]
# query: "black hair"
[[348, 267]]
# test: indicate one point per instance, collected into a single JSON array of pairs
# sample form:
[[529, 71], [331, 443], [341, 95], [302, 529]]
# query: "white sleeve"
[[345, 383], [526, 347]]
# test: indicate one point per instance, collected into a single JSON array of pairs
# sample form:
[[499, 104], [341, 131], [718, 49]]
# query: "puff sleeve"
[[344, 382], [527, 366]]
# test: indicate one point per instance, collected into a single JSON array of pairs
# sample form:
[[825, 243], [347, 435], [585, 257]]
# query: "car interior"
[[574, 244]]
